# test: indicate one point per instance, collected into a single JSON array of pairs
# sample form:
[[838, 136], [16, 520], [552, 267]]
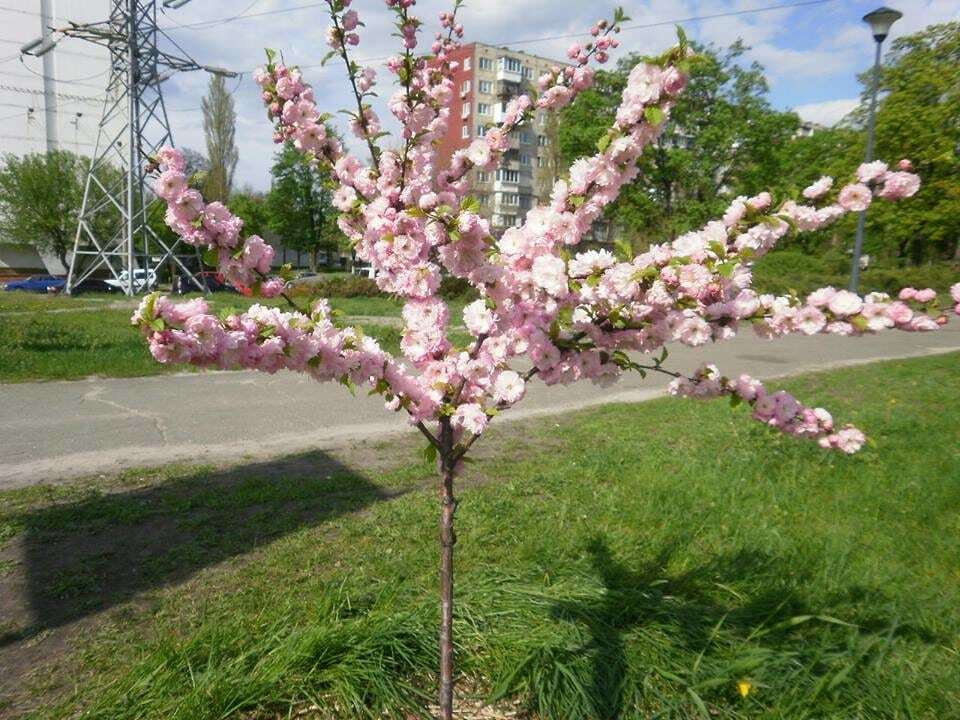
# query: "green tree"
[[219, 128], [251, 207], [299, 206], [684, 182], [919, 118], [40, 199]]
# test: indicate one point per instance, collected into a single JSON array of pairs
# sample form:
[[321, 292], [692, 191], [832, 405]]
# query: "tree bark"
[[448, 538]]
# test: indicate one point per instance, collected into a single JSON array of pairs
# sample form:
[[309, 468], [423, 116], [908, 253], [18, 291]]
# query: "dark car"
[[38, 284], [92, 285], [210, 279]]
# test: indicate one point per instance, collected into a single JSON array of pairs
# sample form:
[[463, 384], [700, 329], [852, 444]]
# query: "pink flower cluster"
[[243, 262], [291, 105], [559, 314], [779, 410]]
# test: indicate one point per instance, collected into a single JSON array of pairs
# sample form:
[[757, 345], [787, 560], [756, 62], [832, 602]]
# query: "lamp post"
[[880, 22]]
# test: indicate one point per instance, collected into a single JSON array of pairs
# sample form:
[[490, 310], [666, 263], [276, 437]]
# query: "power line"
[[76, 81], [188, 26], [30, 139], [213, 23], [641, 26], [695, 18], [68, 96]]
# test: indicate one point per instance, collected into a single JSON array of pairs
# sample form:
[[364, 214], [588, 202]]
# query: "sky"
[[811, 53]]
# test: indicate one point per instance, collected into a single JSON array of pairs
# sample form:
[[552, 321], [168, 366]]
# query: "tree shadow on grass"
[[601, 677], [80, 557]]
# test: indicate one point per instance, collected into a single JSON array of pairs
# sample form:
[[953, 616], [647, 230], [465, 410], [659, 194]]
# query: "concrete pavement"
[[58, 430]]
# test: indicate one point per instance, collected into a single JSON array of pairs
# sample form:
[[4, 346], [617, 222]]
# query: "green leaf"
[[654, 114], [327, 57], [430, 453], [211, 256]]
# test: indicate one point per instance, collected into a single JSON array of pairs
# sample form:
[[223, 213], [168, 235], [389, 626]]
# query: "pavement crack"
[[158, 422]]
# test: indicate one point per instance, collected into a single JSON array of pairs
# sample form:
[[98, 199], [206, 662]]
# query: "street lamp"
[[880, 22]]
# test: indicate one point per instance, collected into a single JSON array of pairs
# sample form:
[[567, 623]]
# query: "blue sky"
[[812, 53]]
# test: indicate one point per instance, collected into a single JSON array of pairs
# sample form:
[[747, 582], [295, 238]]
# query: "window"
[[465, 131], [483, 200], [525, 136], [481, 130], [465, 88], [526, 72], [542, 140], [509, 198], [486, 86], [486, 63], [511, 64], [525, 202], [466, 63], [465, 111], [482, 177], [525, 159], [540, 162], [483, 109], [509, 176]]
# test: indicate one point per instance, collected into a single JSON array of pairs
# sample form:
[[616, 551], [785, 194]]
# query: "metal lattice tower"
[[113, 232]]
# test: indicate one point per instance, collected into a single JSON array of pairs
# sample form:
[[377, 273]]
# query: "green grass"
[[632, 561], [62, 338]]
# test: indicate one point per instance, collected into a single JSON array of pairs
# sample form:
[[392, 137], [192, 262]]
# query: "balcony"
[[509, 70]]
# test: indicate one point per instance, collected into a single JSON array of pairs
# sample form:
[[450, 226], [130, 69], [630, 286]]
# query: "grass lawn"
[[633, 561], [63, 338]]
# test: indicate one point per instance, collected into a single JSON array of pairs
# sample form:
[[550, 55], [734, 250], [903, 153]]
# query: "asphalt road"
[[59, 430]]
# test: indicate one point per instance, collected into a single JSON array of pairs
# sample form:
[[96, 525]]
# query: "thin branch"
[[286, 297], [361, 117], [429, 435]]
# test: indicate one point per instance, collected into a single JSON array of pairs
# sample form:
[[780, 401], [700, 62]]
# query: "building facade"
[[488, 77]]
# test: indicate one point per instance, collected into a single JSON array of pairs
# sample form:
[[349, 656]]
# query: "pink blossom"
[[926, 295], [845, 303], [871, 171], [470, 417], [819, 188], [855, 198], [898, 185], [550, 273], [478, 318], [509, 387]]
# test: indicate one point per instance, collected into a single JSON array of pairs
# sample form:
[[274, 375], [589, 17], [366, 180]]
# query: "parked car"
[[38, 284], [96, 285], [141, 278], [214, 282]]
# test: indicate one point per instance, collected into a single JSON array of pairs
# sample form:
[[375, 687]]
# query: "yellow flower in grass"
[[744, 687]]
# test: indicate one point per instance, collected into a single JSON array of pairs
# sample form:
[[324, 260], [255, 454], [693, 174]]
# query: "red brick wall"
[[452, 140]]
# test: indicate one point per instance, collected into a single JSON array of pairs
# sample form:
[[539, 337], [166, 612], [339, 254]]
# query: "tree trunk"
[[448, 538]]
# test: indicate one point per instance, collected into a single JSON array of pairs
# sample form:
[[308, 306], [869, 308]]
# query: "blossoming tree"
[[544, 310]]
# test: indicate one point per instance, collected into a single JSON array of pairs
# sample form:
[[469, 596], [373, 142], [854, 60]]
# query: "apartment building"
[[486, 80]]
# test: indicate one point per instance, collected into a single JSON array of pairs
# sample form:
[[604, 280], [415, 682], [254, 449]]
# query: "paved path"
[[53, 431]]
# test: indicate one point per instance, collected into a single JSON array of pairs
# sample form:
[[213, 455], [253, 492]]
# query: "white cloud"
[[829, 112]]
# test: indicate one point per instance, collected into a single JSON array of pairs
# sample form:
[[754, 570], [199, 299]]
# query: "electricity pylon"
[[113, 232]]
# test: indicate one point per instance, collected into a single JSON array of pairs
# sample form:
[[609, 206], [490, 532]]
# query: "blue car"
[[38, 284]]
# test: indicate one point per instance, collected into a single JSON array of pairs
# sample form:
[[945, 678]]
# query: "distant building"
[[488, 77], [808, 128]]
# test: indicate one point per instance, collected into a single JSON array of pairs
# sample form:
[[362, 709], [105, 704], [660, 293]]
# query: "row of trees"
[[743, 145]]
